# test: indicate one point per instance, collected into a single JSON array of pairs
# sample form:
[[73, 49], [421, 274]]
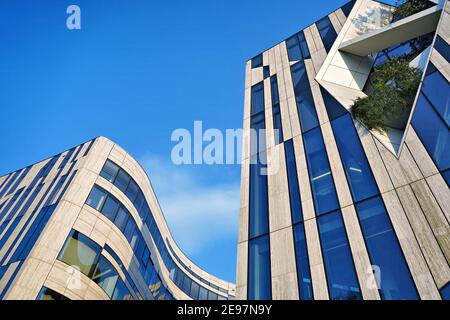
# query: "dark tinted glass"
[[259, 279], [433, 133], [360, 177], [303, 96], [324, 192], [437, 90], [303, 271], [339, 268], [110, 208], [109, 171], [294, 190], [385, 252]]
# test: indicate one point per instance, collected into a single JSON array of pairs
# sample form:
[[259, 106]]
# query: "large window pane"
[[327, 32], [105, 276], [384, 251], [339, 268], [433, 132], [109, 171], [96, 198], [294, 190], [121, 291], [122, 180], [324, 192], [121, 218], [259, 282], [437, 90], [80, 252], [132, 190], [110, 208], [259, 205], [359, 175], [303, 96], [257, 98], [303, 271], [277, 124]]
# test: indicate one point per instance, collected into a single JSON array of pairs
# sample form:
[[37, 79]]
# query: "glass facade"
[[303, 96], [302, 263], [277, 125], [359, 175], [294, 190], [85, 255], [297, 47], [259, 279], [107, 204], [337, 257], [321, 178], [384, 251], [327, 32]]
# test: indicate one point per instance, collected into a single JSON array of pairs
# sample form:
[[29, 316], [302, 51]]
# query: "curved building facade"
[[86, 224], [329, 208]]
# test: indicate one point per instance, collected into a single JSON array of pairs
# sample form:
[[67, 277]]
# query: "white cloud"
[[199, 213]]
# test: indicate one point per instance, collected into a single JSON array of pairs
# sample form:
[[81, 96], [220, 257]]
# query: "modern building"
[[329, 208], [86, 224]]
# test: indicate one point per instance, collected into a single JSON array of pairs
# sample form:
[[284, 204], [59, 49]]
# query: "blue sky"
[[136, 71]]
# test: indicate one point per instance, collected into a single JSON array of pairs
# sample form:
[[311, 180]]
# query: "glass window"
[[293, 48], [203, 294], [121, 291], [433, 133], [80, 252], [347, 8], [297, 47], [195, 288], [212, 296], [303, 96], [131, 233], [266, 72], [259, 205], [257, 61], [140, 199], [132, 191], [121, 218], [443, 47], [334, 108], [257, 98], [445, 292], [277, 124], [96, 198], [339, 268], [110, 208], [360, 177], [437, 90], [327, 32], [324, 192], [49, 294], [186, 285], [122, 181], [384, 251], [109, 171], [294, 190], [259, 279], [301, 255], [105, 276]]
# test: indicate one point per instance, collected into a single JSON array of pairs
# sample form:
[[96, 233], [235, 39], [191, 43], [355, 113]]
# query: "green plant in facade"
[[409, 7], [394, 87]]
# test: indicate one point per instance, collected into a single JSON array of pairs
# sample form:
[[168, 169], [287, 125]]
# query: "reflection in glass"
[[385, 252], [339, 268]]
